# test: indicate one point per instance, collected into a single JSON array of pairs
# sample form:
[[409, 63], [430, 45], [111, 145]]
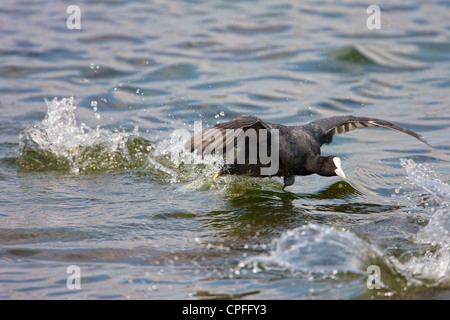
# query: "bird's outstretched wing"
[[217, 137], [325, 129]]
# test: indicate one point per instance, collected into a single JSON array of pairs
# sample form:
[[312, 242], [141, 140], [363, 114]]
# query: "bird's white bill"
[[338, 169]]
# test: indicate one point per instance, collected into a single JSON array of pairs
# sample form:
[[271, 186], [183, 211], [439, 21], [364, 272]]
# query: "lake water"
[[87, 179]]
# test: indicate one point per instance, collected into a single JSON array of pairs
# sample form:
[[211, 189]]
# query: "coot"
[[252, 145]]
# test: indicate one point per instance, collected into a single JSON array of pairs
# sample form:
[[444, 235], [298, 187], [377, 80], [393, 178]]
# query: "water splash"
[[422, 176], [431, 269], [323, 252], [197, 172], [318, 251], [59, 143]]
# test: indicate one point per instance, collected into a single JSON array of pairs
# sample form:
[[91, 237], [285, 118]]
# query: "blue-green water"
[[89, 181]]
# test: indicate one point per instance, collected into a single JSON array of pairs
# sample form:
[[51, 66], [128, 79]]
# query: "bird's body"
[[297, 148]]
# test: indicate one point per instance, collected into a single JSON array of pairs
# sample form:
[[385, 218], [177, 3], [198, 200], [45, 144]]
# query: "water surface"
[[87, 179]]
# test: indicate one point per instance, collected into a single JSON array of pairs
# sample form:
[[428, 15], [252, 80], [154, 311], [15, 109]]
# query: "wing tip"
[[364, 122]]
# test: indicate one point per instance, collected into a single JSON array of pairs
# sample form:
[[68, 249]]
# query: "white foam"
[[60, 141], [316, 249], [325, 251], [433, 267]]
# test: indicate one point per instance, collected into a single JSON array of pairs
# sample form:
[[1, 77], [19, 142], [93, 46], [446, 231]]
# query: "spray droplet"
[[94, 105]]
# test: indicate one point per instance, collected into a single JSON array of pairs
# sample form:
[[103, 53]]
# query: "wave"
[[324, 252], [389, 57], [433, 267], [315, 250], [59, 143]]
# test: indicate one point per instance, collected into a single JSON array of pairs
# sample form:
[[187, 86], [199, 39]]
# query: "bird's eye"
[[329, 163]]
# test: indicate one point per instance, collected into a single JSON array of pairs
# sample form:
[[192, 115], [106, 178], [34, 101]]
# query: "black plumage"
[[298, 146]]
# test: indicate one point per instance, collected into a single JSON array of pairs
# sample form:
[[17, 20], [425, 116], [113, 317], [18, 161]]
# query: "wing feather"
[[216, 137], [326, 128]]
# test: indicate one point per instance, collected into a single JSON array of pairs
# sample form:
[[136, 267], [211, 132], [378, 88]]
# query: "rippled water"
[[87, 178]]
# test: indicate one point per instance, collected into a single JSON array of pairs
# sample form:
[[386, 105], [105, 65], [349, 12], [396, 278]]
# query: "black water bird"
[[298, 146]]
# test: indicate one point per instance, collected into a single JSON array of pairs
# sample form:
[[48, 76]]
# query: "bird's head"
[[333, 167]]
